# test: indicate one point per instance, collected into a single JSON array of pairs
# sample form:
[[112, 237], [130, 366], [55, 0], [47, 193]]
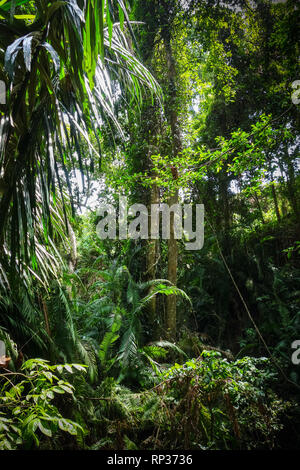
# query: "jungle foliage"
[[133, 343]]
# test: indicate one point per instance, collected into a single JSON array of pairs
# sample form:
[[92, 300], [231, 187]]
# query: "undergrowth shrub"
[[211, 403], [205, 403], [30, 409]]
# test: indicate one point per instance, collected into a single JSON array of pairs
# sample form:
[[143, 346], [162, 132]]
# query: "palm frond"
[[60, 71]]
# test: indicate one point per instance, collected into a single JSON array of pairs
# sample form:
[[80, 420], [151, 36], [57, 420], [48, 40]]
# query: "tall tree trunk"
[[153, 123], [224, 200], [172, 273], [275, 201], [291, 183], [152, 258], [274, 195], [172, 115], [259, 208]]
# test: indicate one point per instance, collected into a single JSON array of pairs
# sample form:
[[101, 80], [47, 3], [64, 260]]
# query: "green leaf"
[[45, 430], [27, 52], [54, 55]]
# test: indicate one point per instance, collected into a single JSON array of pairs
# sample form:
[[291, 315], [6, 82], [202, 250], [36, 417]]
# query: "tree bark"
[[275, 201], [152, 258], [172, 115], [172, 274], [291, 184]]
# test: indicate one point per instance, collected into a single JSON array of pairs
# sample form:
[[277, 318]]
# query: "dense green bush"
[[205, 403], [30, 412]]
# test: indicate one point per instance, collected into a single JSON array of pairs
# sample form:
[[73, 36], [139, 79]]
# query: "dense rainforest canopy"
[[116, 333]]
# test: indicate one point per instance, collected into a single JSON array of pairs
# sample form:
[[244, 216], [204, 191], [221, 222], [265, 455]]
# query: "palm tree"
[[64, 65], [114, 320], [60, 61]]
